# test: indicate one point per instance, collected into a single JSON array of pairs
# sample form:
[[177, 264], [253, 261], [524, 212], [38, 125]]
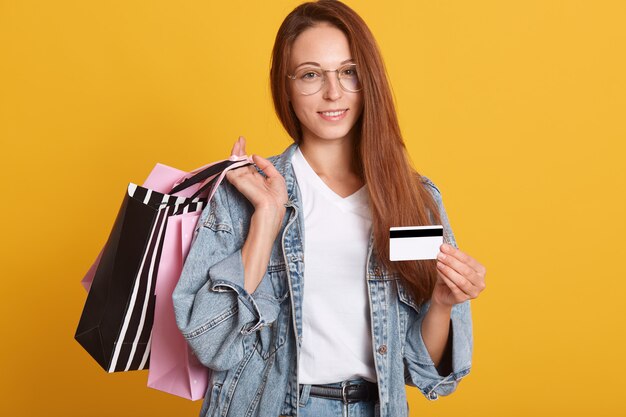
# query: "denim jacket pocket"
[[278, 276], [407, 298]]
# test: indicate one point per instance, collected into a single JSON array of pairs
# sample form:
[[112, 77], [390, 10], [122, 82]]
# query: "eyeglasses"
[[310, 80]]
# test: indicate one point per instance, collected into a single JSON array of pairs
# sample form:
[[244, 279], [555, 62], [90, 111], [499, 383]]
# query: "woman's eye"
[[349, 72], [309, 75]]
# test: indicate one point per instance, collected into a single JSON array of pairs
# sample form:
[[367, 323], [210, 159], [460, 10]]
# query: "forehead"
[[323, 43]]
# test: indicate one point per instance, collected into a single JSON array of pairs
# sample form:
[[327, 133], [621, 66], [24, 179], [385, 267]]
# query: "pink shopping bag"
[[173, 366]]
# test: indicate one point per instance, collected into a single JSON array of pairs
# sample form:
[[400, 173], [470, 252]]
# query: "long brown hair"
[[398, 197]]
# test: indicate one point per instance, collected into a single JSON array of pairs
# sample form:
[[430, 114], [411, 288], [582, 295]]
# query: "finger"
[[459, 267], [266, 166], [460, 281], [244, 180], [232, 174], [242, 143], [235, 150], [462, 256], [248, 171], [459, 295]]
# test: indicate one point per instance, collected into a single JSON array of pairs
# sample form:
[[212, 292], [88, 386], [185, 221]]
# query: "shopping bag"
[[116, 323], [117, 318], [173, 366]]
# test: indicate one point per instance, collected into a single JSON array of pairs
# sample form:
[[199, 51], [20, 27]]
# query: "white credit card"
[[415, 242]]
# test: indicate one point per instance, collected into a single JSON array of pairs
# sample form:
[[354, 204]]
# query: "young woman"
[[288, 294]]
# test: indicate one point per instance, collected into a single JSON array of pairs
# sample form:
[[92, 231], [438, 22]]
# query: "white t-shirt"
[[336, 334]]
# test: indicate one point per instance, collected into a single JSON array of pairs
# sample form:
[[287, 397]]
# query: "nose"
[[332, 89]]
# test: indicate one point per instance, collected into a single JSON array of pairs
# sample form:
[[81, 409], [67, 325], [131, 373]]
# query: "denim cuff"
[[461, 333], [228, 275]]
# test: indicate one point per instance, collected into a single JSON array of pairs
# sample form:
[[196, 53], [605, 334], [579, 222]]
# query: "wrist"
[[269, 208], [438, 308], [268, 219]]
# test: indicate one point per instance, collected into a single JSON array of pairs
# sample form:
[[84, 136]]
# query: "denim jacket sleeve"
[[214, 312], [420, 370]]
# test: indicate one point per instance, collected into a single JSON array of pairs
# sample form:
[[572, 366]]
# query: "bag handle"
[[208, 174], [214, 182]]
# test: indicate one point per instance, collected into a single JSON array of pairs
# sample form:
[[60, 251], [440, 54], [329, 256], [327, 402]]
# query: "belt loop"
[[344, 385], [344, 400], [305, 389]]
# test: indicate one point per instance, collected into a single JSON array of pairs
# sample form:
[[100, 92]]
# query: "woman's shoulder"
[[436, 193], [430, 186], [281, 161]]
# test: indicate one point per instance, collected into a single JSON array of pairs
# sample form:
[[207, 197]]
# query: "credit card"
[[413, 243]]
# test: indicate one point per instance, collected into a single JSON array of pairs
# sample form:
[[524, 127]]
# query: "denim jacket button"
[[382, 349], [377, 271]]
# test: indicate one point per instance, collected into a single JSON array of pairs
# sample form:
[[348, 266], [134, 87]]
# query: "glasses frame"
[[324, 71]]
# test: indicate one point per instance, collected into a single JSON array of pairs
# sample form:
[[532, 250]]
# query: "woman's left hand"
[[460, 277]]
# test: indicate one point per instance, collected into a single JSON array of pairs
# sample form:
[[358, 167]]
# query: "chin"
[[332, 134], [333, 137]]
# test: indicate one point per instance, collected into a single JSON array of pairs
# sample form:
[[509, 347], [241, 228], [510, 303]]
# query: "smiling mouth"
[[335, 113]]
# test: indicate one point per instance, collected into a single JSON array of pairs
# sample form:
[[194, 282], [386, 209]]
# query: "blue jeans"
[[311, 406]]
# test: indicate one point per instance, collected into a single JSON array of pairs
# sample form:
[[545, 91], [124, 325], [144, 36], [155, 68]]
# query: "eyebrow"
[[316, 64]]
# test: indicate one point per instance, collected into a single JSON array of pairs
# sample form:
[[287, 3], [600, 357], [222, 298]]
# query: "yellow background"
[[515, 109]]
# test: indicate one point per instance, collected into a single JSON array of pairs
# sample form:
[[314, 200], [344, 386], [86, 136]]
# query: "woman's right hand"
[[267, 194]]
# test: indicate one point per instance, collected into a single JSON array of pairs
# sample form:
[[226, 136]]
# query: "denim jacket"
[[251, 342]]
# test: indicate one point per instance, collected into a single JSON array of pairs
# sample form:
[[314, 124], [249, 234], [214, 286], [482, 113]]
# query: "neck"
[[331, 159]]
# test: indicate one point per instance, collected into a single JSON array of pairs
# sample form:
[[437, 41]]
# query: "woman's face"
[[332, 112]]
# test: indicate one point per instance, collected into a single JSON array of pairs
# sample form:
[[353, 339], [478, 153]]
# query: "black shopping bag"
[[116, 322]]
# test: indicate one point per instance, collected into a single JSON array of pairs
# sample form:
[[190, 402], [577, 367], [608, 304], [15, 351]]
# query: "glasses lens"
[[349, 78], [309, 80]]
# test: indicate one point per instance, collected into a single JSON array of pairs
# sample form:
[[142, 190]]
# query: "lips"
[[333, 115]]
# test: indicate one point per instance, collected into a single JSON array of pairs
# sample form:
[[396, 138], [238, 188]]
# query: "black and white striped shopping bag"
[[116, 322]]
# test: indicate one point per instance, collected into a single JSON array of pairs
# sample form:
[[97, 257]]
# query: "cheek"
[[300, 106]]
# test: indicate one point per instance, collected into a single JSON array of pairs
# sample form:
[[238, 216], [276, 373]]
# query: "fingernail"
[[441, 256]]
